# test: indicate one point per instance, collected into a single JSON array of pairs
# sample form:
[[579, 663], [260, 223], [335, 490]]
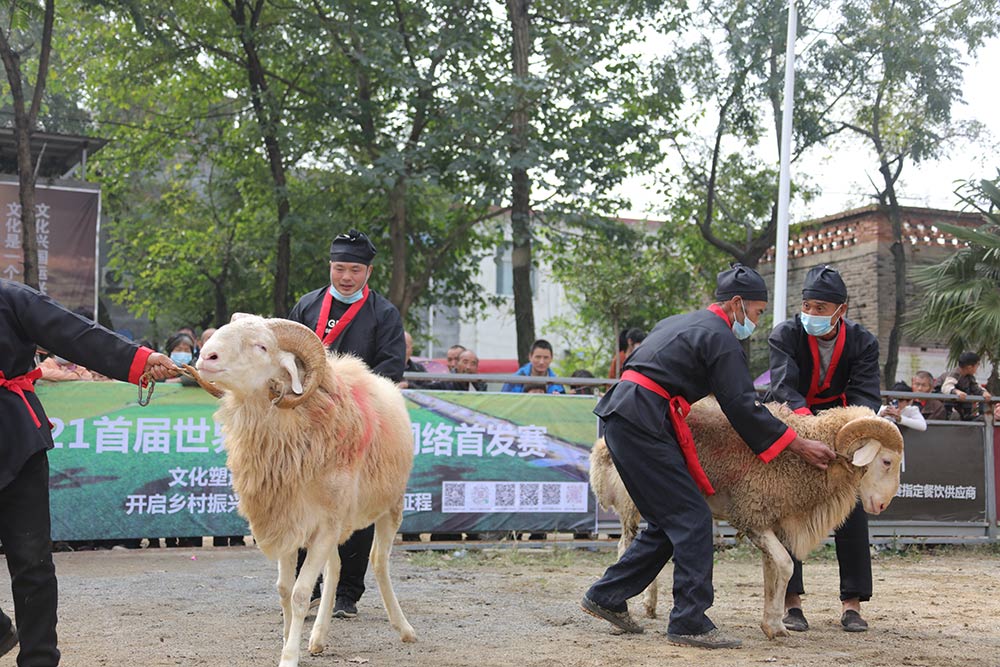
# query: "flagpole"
[[784, 178]]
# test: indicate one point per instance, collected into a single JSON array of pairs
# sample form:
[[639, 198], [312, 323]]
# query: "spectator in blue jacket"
[[539, 360]]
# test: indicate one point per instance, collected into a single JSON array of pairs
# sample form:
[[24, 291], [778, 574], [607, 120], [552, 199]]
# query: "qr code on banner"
[[452, 495], [575, 493], [479, 495], [529, 495], [550, 494], [505, 495]]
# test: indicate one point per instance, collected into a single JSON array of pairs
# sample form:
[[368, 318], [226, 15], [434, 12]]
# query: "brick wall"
[[857, 243]]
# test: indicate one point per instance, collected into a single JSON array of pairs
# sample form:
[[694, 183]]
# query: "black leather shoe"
[[795, 620], [620, 619], [344, 607], [852, 622], [8, 641]]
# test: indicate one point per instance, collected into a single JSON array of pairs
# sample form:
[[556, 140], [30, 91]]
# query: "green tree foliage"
[[733, 69], [187, 103], [619, 275], [903, 63], [962, 293]]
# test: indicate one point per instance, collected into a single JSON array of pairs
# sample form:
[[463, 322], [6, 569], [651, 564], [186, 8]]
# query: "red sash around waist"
[[677, 412], [21, 384]]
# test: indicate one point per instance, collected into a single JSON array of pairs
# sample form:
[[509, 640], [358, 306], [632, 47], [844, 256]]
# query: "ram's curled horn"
[[869, 427], [204, 384], [306, 345]]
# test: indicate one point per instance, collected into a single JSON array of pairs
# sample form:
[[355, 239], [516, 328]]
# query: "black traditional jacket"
[[693, 355], [29, 318], [375, 335], [852, 377]]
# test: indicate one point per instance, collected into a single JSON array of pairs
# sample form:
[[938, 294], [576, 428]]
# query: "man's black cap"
[[354, 247], [824, 283], [739, 280]]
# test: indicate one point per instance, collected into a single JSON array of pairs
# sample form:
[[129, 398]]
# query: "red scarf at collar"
[[324, 317]]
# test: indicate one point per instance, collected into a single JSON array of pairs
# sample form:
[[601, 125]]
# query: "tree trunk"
[[899, 269], [615, 360], [398, 246], [26, 197], [268, 119], [520, 217], [24, 125], [221, 304]]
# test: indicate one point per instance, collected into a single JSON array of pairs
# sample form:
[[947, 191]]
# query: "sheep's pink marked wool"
[[319, 446]]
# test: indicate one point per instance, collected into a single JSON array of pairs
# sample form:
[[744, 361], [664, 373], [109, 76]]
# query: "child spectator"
[[962, 382], [903, 411]]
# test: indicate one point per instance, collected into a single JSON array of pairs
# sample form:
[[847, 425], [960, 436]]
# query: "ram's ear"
[[239, 316], [866, 453], [287, 361]]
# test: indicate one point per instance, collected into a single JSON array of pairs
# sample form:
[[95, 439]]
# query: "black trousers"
[[853, 557], [25, 531], [678, 525], [353, 564]]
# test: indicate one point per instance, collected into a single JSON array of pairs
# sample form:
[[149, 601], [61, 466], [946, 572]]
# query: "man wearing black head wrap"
[[683, 359], [353, 319], [821, 359]]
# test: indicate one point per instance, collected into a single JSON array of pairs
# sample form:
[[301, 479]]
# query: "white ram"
[[319, 446]]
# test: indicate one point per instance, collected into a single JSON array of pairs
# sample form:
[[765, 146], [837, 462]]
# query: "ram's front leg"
[[331, 576], [316, 556], [777, 571]]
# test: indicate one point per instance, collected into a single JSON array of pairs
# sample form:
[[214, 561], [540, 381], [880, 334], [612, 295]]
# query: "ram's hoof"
[[773, 630]]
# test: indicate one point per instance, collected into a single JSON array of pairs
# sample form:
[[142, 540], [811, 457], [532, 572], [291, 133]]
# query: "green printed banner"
[[482, 462], [499, 462]]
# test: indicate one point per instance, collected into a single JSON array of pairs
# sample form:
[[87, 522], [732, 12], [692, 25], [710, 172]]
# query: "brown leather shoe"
[[620, 619]]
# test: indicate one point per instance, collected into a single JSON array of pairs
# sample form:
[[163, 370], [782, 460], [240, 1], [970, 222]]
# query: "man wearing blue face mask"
[[820, 360], [350, 318], [683, 359]]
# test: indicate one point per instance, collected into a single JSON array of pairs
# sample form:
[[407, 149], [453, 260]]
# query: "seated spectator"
[[468, 364], [539, 360], [181, 349], [205, 335], [454, 352], [412, 366], [903, 411], [582, 389], [962, 382], [931, 408]]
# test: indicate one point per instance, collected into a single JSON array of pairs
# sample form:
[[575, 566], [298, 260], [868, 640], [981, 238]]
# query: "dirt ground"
[[217, 606]]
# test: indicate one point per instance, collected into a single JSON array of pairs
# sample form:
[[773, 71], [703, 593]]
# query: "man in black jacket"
[[819, 360], [352, 319], [684, 358], [29, 319]]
